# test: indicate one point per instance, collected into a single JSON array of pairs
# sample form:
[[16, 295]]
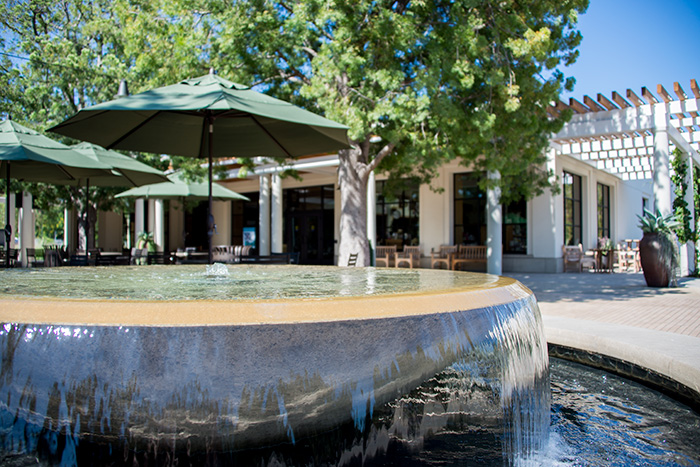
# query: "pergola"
[[632, 137]]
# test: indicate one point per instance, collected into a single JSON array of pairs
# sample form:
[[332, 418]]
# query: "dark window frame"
[[603, 211], [573, 208]]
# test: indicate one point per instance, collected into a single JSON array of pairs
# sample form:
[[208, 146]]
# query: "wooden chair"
[[32, 254], [410, 255], [384, 254], [352, 260], [628, 255], [468, 255], [572, 255], [222, 254], [588, 260], [442, 256]]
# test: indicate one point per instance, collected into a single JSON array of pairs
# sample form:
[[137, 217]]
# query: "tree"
[[419, 84], [71, 54]]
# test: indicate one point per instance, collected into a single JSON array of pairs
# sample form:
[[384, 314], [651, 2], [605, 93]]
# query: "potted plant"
[[658, 249]]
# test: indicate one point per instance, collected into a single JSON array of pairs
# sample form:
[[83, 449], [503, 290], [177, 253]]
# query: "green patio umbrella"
[[127, 171], [30, 156], [206, 117], [178, 188]]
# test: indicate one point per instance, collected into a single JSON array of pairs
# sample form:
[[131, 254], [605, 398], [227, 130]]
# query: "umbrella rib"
[[270, 136], [132, 131]]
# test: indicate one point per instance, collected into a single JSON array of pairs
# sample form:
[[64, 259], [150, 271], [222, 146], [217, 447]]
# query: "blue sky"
[[635, 43]]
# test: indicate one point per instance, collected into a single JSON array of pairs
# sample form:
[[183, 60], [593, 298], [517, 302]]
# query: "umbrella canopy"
[[127, 171], [206, 117], [175, 120], [178, 188], [30, 156]]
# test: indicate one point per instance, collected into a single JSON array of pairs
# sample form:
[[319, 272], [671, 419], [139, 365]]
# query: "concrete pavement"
[[618, 316]]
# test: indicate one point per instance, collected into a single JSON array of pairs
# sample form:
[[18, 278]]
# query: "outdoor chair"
[[588, 260], [12, 258], [442, 256], [410, 255], [222, 254], [384, 255], [572, 255], [32, 259], [629, 255], [352, 260], [80, 258], [468, 256]]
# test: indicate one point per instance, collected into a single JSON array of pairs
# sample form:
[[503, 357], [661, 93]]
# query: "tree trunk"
[[352, 180]]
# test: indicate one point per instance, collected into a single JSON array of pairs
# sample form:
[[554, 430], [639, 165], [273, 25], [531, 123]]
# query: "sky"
[[635, 43]]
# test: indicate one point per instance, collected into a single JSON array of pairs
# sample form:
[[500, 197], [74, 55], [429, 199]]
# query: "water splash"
[[217, 270]]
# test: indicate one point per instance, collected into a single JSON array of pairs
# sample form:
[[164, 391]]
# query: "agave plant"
[[663, 227]]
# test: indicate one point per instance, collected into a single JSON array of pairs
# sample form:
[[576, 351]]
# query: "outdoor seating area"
[[452, 257], [623, 257]]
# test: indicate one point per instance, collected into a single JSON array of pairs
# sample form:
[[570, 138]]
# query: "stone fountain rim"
[[183, 313]]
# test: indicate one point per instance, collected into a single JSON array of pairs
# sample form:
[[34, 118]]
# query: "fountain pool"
[[269, 364]]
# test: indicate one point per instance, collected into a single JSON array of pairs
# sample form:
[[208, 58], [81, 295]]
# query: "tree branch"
[[385, 151]]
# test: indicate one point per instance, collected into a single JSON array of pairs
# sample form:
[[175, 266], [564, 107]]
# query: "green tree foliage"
[[419, 83]]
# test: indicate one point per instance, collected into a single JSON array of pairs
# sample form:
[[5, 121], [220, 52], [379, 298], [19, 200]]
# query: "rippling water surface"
[[228, 282]]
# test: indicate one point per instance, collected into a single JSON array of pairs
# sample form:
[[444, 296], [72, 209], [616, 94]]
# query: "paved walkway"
[[619, 316]]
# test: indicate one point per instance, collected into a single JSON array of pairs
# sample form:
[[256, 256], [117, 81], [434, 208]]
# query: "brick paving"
[[620, 298]]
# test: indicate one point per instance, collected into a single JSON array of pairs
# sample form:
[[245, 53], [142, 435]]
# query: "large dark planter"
[[655, 271]]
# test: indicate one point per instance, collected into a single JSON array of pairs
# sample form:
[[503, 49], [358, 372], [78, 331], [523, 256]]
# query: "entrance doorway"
[[309, 224]]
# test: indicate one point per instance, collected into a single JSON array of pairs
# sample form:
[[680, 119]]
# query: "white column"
[[26, 227], [151, 221], [139, 218], [277, 215], [662, 177], [159, 225], [372, 212], [69, 231], [264, 219], [494, 226]]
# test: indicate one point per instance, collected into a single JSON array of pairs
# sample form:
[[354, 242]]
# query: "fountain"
[[283, 365]]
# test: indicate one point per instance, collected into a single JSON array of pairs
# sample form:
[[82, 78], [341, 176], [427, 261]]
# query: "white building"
[[611, 160]]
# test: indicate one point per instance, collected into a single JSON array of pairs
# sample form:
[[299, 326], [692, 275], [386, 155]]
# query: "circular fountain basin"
[[236, 357]]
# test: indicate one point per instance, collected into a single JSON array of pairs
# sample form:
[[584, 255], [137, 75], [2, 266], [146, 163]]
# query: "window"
[[397, 213], [515, 228], [469, 210], [470, 216], [572, 209], [603, 211]]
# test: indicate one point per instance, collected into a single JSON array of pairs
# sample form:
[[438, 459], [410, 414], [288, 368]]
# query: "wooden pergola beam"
[[634, 98], [619, 100], [606, 102], [577, 106], [679, 91], [661, 91], [648, 96], [694, 88], [591, 104]]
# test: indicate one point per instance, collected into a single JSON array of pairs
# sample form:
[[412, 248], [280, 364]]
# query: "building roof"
[[618, 135]]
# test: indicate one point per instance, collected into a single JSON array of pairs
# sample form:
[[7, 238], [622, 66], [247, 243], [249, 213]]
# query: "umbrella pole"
[[210, 218], [8, 226], [87, 220]]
